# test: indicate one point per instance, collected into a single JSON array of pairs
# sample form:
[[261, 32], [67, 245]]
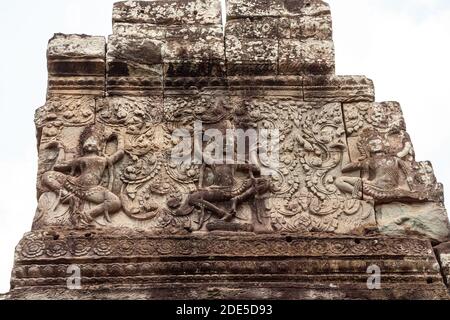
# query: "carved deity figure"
[[224, 190], [381, 174], [78, 181], [218, 192]]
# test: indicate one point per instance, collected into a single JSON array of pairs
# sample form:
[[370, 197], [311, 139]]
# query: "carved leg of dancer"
[[350, 185], [107, 203], [205, 199], [185, 210], [247, 195], [222, 214], [55, 181]]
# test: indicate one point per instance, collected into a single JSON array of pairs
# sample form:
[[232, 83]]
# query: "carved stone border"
[[41, 246]]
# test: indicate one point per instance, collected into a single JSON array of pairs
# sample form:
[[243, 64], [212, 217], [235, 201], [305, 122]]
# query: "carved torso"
[[91, 170], [384, 172]]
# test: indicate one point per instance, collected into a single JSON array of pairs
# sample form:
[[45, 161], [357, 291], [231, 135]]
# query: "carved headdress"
[[366, 136], [92, 131]]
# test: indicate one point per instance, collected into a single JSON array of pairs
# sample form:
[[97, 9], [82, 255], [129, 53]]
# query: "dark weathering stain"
[[294, 5], [118, 69]]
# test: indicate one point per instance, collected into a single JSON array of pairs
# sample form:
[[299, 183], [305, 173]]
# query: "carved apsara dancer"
[[79, 181], [222, 187], [381, 175], [223, 190]]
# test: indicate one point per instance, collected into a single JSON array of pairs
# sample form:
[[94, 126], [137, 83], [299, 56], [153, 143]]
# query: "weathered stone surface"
[[269, 41], [76, 64], [248, 56], [252, 47], [338, 88], [194, 43], [318, 57], [309, 57], [275, 8], [380, 147], [425, 219], [138, 51], [443, 254], [148, 54], [140, 30], [76, 46], [317, 182], [168, 12], [134, 65], [294, 265], [255, 28], [271, 85], [194, 52], [304, 27]]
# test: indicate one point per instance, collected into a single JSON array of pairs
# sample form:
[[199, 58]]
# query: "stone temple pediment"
[[329, 188]]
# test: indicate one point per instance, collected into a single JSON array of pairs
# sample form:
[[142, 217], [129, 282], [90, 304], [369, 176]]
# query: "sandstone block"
[[258, 56], [300, 44], [76, 64], [170, 51], [308, 57], [425, 219], [195, 51], [317, 57], [139, 30], [338, 88], [237, 9], [252, 47], [443, 254], [66, 46], [134, 64], [172, 12], [306, 27], [255, 28]]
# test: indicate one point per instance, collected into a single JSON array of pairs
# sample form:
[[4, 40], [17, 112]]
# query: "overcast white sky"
[[403, 45]]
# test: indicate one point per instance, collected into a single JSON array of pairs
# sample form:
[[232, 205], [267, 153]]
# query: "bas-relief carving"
[[312, 190], [303, 195], [407, 197], [381, 149], [385, 118], [338, 161], [347, 187], [143, 189], [77, 182]]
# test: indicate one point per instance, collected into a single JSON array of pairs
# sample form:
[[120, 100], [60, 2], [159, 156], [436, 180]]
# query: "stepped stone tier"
[[346, 197]]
